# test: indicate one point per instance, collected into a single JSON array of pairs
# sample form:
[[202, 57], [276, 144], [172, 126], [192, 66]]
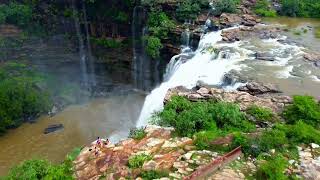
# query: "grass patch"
[[149, 175], [137, 161], [137, 133]]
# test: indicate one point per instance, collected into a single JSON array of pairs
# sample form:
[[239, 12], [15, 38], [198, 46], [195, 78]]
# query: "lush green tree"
[[187, 10], [262, 8], [20, 96], [153, 46], [225, 6]]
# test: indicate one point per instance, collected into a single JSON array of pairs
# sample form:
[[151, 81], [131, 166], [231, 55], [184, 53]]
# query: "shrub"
[[260, 114], [229, 116], [262, 8], [187, 10], [153, 46], [20, 96], [272, 139], [137, 133], [225, 6], [149, 175], [137, 161], [159, 24], [15, 13], [273, 168], [304, 108], [106, 42], [301, 8], [203, 138], [191, 117], [302, 133], [30, 169]]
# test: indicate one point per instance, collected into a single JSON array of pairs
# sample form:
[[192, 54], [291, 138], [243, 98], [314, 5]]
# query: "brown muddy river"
[[82, 125]]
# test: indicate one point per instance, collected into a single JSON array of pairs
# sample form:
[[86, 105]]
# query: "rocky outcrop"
[[255, 88], [313, 57], [260, 31], [309, 162], [228, 20], [176, 155], [244, 99], [265, 56]]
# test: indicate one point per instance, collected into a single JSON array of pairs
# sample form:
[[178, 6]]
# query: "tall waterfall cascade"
[[86, 58], [186, 69], [211, 61]]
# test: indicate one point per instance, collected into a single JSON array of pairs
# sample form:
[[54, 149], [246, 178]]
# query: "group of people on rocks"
[[99, 143]]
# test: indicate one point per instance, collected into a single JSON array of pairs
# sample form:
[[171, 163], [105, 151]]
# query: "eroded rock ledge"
[[262, 95]]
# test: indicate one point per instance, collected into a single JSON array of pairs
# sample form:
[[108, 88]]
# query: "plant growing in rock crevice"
[[137, 133], [136, 161]]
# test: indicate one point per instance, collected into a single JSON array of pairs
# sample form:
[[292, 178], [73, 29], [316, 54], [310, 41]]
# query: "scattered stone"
[[314, 146]]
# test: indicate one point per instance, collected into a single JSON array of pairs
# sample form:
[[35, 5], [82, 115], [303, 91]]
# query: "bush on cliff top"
[[304, 108], [191, 117], [261, 114], [262, 8], [225, 6], [153, 46]]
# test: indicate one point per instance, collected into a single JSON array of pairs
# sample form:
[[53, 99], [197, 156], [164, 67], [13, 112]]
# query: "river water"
[[82, 125], [114, 116]]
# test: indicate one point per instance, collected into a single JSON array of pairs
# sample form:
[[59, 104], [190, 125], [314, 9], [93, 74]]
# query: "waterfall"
[[82, 52], [145, 73], [85, 52], [89, 51], [186, 69], [185, 37]]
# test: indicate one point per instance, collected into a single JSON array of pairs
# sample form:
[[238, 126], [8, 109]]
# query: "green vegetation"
[[106, 42], [187, 9], [206, 121], [137, 133], [262, 8], [153, 46], [43, 169], [225, 6], [304, 108], [272, 168], [189, 118], [149, 175], [261, 114], [300, 8], [159, 26], [15, 13], [137, 161], [20, 96]]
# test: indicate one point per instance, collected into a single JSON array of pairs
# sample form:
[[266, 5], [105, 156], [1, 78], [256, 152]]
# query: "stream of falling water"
[[214, 58], [187, 68]]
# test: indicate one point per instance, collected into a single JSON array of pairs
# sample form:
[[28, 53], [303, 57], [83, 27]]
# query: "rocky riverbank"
[[171, 157]]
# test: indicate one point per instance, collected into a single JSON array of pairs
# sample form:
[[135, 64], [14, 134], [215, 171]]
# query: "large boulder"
[[255, 88]]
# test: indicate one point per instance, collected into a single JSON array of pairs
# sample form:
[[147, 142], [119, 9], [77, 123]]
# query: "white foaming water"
[[205, 66]]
